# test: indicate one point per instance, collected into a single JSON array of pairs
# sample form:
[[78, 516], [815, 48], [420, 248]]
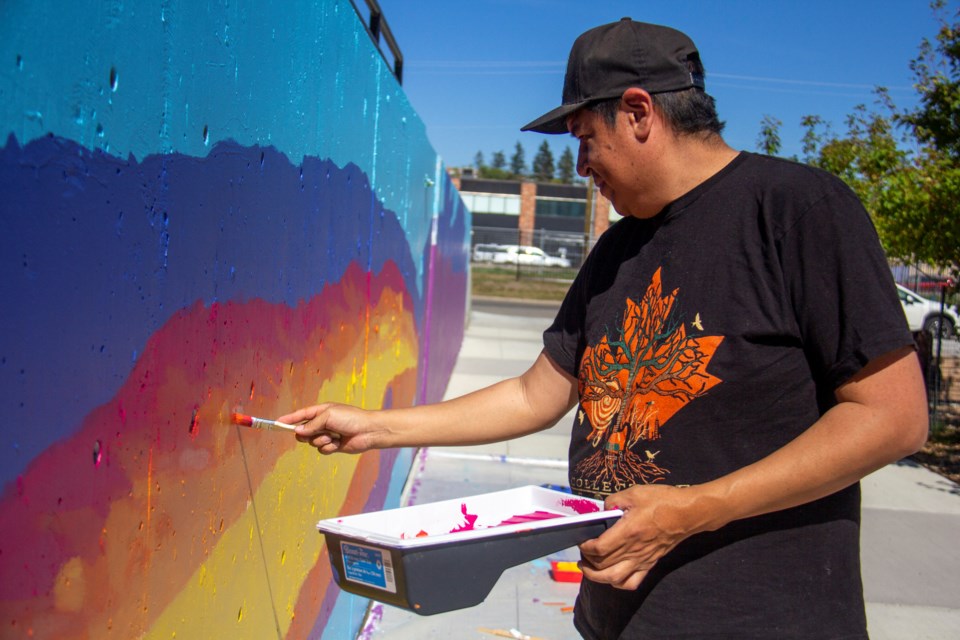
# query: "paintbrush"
[[260, 423]]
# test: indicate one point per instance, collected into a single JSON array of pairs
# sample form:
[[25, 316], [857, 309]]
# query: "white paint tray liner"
[[447, 555]]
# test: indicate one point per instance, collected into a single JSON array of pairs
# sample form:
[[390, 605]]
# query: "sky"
[[477, 71]]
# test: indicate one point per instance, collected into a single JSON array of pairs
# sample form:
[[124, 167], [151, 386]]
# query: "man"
[[738, 353]]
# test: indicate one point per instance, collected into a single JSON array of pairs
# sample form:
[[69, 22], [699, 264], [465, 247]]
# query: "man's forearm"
[[879, 418], [508, 409], [492, 414]]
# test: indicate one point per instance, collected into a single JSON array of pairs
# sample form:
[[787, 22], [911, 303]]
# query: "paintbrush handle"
[[271, 425]]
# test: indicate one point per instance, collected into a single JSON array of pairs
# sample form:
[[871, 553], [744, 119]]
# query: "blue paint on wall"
[[156, 154], [175, 77], [156, 236]]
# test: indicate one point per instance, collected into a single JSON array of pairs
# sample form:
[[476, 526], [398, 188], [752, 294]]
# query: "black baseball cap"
[[607, 60]]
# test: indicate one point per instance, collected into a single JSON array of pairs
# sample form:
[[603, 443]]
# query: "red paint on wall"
[[150, 503]]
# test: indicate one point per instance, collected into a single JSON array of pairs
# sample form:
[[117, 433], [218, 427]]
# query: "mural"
[[204, 210]]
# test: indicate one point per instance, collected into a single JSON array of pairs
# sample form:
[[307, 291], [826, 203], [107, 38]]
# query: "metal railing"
[[377, 26]]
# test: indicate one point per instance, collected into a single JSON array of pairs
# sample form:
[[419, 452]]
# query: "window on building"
[[492, 203], [563, 207]]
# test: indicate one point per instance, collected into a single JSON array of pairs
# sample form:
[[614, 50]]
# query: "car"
[[925, 315], [488, 252], [518, 254], [930, 285]]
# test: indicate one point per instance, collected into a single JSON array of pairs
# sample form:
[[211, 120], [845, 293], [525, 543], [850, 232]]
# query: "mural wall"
[[204, 208]]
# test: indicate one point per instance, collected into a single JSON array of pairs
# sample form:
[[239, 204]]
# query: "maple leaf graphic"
[[632, 385]]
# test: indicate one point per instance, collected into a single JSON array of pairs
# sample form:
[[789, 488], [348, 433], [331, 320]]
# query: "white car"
[[489, 253], [924, 315], [522, 254]]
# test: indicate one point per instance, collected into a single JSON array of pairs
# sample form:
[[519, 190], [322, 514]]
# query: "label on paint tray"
[[369, 566]]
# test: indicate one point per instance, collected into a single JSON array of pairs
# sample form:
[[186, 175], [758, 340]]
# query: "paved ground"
[[910, 535]]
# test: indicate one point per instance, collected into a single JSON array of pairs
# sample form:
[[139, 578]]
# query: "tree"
[[936, 121], [478, 160], [543, 167], [566, 168], [492, 173], [910, 184], [497, 170], [518, 166], [768, 141]]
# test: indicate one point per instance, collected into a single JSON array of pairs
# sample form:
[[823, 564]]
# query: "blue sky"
[[477, 71]]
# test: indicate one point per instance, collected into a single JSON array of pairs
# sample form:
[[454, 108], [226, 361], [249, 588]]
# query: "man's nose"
[[582, 162]]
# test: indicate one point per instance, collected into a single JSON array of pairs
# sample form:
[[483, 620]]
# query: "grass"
[[525, 283]]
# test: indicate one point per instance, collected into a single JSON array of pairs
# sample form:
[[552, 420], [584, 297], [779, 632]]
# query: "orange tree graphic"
[[631, 386]]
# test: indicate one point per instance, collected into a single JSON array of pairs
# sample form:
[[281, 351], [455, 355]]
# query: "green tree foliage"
[[910, 183], [768, 141], [566, 168], [543, 166], [495, 171], [518, 165], [936, 121]]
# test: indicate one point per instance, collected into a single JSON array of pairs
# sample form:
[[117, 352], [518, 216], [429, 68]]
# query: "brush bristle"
[[239, 418]]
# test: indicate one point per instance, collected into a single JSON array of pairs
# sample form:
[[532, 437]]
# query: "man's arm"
[[880, 417], [508, 409]]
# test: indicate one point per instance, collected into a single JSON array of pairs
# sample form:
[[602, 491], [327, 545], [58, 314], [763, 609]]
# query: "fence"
[[540, 252]]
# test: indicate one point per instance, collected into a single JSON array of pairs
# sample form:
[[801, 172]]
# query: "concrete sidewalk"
[[910, 541]]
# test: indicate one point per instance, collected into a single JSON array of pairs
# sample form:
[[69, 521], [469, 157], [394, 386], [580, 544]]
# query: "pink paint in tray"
[[498, 513], [440, 556]]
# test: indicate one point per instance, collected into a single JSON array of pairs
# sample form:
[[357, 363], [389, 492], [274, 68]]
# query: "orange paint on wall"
[[100, 550]]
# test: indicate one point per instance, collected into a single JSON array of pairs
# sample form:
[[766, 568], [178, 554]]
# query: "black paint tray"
[[447, 555]]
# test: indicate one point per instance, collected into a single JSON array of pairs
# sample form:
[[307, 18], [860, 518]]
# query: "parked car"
[[488, 252], [930, 285], [517, 254], [924, 315]]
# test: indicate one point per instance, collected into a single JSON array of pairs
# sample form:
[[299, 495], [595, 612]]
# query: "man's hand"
[[335, 428], [656, 519]]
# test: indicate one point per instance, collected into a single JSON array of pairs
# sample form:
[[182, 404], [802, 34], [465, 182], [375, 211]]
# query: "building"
[[554, 217]]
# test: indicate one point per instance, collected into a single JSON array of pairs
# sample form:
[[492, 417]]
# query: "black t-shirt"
[[703, 340]]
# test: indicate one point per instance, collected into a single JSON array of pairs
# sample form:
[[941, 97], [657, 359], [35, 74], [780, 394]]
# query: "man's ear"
[[639, 108]]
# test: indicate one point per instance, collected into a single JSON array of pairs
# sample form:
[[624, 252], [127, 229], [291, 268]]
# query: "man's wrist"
[[705, 507]]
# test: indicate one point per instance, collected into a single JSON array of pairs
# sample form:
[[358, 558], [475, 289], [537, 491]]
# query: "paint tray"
[[448, 555]]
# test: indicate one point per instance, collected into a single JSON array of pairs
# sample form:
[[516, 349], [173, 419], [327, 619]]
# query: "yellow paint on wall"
[[229, 594], [69, 588]]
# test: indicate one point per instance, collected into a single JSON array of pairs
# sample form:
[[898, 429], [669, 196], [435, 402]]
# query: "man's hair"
[[690, 111]]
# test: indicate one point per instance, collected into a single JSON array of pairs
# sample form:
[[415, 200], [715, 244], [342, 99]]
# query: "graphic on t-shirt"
[[633, 382]]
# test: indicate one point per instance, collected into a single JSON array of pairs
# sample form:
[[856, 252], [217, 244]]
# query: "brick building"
[[551, 216]]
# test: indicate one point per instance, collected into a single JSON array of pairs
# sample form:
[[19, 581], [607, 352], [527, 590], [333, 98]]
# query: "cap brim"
[[554, 121]]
